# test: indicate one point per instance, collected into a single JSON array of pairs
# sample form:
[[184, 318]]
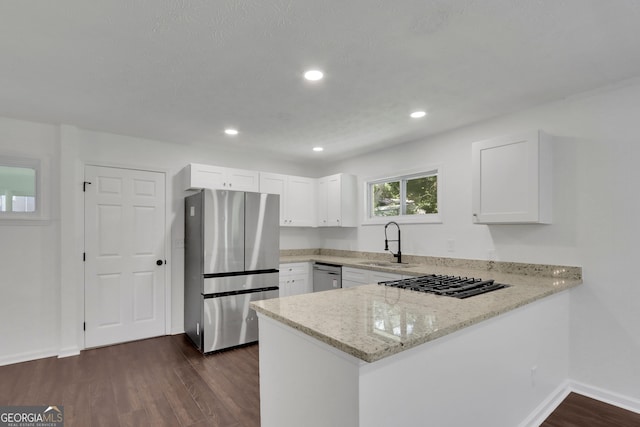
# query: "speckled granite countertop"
[[372, 322]]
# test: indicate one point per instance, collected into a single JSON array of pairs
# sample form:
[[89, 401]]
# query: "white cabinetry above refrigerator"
[[329, 201], [512, 179], [198, 176]]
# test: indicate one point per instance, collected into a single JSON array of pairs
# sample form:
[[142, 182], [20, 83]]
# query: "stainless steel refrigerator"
[[232, 254]]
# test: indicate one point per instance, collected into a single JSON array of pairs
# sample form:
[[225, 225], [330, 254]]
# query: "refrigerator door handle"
[[241, 292], [240, 273]]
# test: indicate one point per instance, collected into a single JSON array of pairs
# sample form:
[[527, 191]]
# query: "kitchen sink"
[[386, 264]]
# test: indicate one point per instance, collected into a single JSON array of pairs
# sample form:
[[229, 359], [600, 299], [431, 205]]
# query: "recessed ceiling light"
[[313, 75], [418, 114], [231, 131], [318, 149]]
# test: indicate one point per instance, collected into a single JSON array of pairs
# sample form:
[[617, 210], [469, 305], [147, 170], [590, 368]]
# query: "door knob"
[[159, 262]]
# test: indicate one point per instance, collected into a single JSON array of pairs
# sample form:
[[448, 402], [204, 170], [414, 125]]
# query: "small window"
[[408, 198], [17, 189], [20, 188]]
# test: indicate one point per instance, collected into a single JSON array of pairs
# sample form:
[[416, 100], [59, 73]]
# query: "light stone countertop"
[[372, 322]]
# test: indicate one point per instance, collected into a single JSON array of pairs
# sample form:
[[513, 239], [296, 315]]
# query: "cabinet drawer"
[[350, 284], [298, 268], [355, 275], [298, 280], [378, 276]]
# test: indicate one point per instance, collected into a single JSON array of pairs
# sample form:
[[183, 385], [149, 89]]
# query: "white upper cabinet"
[[337, 204], [297, 198], [512, 179], [220, 178]]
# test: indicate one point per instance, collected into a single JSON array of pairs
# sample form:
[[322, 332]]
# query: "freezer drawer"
[[215, 285], [228, 320]]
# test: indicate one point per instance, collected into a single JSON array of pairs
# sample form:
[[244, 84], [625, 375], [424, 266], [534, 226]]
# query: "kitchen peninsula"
[[378, 356]]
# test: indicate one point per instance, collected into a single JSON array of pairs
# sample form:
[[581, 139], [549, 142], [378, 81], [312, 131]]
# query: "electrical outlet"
[[451, 245]]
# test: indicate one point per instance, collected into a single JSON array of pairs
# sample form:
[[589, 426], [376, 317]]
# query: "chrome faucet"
[[386, 241]]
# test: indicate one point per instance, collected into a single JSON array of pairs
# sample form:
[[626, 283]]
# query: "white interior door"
[[125, 253]]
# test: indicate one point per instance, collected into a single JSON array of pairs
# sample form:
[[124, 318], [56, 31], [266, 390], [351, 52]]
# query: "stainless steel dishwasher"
[[326, 277]]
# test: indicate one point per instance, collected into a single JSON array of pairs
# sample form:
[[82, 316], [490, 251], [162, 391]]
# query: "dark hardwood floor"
[[156, 382], [166, 382], [580, 411]]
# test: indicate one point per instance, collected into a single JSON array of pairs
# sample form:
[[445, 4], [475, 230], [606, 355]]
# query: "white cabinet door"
[[323, 211], [204, 176], [284, 286], [512, 179], [220, 178], [242, 180], [273, 183], [337, 201], [297, 198], [298, 285], [301, 202]]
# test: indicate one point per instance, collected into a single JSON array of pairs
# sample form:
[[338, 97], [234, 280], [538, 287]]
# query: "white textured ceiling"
[[184, 70]]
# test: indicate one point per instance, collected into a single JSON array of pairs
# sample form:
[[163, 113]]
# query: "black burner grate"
[[451, 286]]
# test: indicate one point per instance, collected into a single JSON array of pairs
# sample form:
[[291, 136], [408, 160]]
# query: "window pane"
[[23, 204], [18, 188], [385, 199], [422, 195]]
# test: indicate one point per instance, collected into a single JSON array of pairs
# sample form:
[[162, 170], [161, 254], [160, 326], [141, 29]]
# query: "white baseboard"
[[27, 356], [559, 394], [547, 406], [606, 396], [69, 351]]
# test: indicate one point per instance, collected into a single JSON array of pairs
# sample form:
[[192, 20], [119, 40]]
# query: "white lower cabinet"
[[295, 279], [352, 277]]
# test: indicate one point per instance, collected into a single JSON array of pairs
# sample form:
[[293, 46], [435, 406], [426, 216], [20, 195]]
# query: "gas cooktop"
[[451, 286]]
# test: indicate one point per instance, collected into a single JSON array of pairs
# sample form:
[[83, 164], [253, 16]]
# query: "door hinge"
[[84, 256], [84, 185], [84, 326]]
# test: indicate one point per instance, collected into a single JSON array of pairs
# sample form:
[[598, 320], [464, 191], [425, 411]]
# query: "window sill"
[[24, 219], [431, 219]]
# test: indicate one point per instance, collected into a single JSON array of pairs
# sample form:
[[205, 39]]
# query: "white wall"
[[452, 153], [596, 206], [595, 210], [29, 259]]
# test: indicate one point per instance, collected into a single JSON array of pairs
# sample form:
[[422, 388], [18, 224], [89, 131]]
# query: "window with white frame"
[[408, 198]]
